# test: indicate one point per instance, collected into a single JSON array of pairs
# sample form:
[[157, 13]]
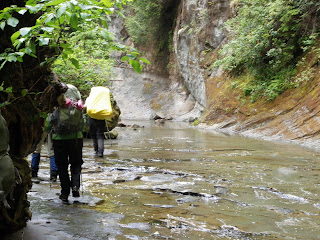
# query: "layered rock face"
[[198, 28], [176, 90]]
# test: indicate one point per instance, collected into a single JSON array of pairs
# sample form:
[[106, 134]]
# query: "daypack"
[[98, 103], [68, 119]]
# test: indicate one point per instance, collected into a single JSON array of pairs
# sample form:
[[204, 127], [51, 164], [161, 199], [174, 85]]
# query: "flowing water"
[[178, 182]]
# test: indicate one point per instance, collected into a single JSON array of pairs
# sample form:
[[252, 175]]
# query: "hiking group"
[[65, 126]]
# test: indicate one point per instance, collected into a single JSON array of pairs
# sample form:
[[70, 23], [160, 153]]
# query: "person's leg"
[[76, 162], [61, 148], [93, 133], [101, 124], [53, 169], [35, 158], [53, 166]]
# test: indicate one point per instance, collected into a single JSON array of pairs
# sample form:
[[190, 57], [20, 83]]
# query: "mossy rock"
[[15, 179]]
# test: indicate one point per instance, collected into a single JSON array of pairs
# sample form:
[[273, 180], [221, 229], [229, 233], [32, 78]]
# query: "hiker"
[[66, 124], [99, 107], [35, 158]]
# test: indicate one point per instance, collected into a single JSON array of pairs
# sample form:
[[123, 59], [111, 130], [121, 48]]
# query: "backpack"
[[68, 119], [98, 103]]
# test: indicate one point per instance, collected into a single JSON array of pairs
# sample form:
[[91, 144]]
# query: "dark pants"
[[68, 152], [97, 128]]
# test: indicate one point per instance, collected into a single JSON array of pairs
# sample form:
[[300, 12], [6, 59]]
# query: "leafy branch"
[[58, 18]]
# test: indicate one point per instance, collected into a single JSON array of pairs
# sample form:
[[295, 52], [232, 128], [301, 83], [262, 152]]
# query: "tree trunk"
[[23, 116]]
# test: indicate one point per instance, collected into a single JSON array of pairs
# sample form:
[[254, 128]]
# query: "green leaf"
[[121, 14], [8, 90], [61, 10], [50, 17], [43, 115], [120, 46], [13, 22], [54, 3], [2, 25], [4, 104], [24, 92], [15, 36], [107, 3], [12, 58], [31, 44], [47, 29], [28, 50], [85, 16], [104, 22], [74, 20], [75, 62], [67, 51], [124, 58], [44, 41], [144, 60], [2, 64], [24, 31], [18, 43], [20, 59], [30, 2], [31, 8], [107, 35], [136, 66], [22, 11]]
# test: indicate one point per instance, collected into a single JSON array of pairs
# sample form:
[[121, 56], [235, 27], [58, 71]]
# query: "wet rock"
[[221, 190], [160, 206], [192, 119], [136, 126], [160, 120], [185, 200], [157, 116], [119, 181], [122, 124]]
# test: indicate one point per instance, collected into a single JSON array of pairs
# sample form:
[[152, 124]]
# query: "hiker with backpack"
[[66, 124], [99, 107]]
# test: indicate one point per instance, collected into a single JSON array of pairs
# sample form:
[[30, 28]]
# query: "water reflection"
[[177, 182]]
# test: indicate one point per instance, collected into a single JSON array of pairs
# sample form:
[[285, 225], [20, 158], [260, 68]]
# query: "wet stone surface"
[[177, 182]]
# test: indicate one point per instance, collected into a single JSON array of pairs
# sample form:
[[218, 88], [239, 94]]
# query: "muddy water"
[[177, 182]]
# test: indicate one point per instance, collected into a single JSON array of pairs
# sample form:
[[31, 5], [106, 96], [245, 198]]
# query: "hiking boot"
[[34, 173], [75, 192], [63, 197], [53, 175]]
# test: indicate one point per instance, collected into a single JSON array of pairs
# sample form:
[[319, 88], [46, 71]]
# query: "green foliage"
[[143, 21], [267, 39], [89, 64], [196, 122], [78, 33], [57, 20]]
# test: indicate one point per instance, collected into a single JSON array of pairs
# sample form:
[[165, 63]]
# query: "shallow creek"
[[178, 182]]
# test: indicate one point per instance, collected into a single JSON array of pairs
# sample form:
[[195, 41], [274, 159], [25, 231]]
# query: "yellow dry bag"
[[98, 103]]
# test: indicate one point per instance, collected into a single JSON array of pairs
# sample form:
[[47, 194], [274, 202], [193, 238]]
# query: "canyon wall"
[[190, 88]]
